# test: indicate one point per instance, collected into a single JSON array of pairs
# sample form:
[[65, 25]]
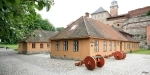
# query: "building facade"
[[88, 37], [100, 15]]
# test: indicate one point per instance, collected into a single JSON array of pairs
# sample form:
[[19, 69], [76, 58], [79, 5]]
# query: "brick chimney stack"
[[87, 14]]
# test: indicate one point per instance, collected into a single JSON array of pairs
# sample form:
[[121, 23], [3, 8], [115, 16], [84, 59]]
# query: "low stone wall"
[[29, 53], [63, 57]]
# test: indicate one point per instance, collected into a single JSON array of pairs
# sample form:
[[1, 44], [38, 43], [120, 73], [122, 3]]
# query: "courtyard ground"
[[12, 63]]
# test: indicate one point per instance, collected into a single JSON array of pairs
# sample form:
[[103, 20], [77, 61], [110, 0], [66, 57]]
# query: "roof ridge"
[[86, 26]]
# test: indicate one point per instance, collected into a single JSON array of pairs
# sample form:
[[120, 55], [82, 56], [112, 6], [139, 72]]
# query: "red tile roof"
[[139, 11], [85, 27]]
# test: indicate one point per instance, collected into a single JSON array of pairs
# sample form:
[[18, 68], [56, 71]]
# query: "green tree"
[[16, 16], [148, 13], [37, 22], [59, 29], [42, 23]]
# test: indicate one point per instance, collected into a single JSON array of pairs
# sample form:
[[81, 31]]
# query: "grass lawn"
[[11, 46], [142, 51]]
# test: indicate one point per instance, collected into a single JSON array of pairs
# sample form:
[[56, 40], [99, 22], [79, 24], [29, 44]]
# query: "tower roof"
[[99, 10], [114, 3]]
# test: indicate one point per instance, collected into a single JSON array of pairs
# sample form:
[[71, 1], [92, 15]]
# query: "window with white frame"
[[105, 46], [65, 45], [96, 46], [48, 45], [124, 46], [114, 46], [33, 45], [57, 45], [110, 46], [41, 45], [75, 45]]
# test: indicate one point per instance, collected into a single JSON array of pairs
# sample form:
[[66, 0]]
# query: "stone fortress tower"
[[114, 8], [103, 15], [134, 22]]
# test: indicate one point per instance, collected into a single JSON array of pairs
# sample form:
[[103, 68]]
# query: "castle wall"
[[137, 27]]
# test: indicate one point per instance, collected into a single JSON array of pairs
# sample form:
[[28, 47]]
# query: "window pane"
[[48, 46], [57, 45], [75, 46], [41, 45], [96, 46], [115, 46], [65, 45], [110, 46], [33, 45], [124, 46], [104, 46]]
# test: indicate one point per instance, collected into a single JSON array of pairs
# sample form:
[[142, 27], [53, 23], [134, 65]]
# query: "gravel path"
[[12, 63]]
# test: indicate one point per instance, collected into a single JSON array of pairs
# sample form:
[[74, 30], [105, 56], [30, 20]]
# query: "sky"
[[63, 12]]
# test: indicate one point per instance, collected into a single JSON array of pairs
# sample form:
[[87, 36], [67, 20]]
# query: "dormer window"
[[73, 27]]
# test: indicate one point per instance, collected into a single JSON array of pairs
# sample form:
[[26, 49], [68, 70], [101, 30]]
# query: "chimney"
[[86, 14]]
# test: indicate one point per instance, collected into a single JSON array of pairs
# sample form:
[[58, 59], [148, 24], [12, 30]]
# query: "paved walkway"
[[12, 63]]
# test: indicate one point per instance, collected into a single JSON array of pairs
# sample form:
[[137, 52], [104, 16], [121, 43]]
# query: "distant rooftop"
[[99, 10]]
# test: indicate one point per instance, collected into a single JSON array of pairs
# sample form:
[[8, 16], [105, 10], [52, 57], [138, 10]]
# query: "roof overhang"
[[91, 37], [71, 38], [119, 16]]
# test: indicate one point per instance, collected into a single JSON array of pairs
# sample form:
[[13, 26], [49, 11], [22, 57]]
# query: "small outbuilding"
[[36, 43]]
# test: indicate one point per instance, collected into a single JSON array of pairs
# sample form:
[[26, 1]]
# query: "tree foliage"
[[37, 23], [148, 13], [42, 23], [17, 16]]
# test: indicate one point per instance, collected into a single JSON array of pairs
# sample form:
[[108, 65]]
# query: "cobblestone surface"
[[12, 63]]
